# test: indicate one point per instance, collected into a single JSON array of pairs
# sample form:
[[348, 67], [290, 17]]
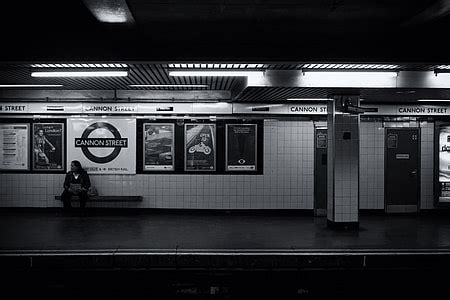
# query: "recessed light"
[[29, 85]]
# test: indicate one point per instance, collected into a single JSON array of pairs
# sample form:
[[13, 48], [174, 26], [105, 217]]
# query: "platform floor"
[[43, 230], [222, 254]]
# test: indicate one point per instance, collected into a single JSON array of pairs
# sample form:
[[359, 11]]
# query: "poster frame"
[[255, 149], [28, 164], [436, 186], [63, 147], [143, 147], [214, 139]]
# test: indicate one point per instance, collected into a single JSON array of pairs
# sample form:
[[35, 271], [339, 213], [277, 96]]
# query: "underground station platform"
[[221, 253]]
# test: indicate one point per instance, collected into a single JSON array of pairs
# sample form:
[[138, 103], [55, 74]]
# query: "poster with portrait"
[[241, 147], [103, 146], [444, 163], [158, 146], [200, 149], [48, 147], [14, 145]]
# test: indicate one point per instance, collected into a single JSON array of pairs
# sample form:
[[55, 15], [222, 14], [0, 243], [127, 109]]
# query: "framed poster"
[[200, 147], [241, 147], [103, 146], [158, 146], [14, 146], [443, 164], [48, 146]]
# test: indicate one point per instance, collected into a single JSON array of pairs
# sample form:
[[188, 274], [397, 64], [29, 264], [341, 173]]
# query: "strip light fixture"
[[434, 100], [216, 73], [170, 85], [350, 74], [79, 73], [29, 85], [308, 99]]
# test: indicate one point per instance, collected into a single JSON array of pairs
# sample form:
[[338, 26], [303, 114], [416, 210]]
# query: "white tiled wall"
[[371, 165], [372, 162], [287, 182]]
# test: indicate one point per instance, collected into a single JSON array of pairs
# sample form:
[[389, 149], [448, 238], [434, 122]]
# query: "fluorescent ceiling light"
[[29, 85], [308, 99], [231, 73], [171, 85], [80, 74], [434, 100], [350, 74]]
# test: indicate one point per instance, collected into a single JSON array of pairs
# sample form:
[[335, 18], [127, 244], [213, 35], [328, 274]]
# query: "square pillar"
[[343, 164]]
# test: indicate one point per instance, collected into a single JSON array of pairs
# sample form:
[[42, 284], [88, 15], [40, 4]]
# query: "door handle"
[[413, 173]]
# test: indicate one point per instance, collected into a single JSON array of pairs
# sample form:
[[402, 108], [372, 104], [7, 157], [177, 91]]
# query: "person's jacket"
[[82, 179]]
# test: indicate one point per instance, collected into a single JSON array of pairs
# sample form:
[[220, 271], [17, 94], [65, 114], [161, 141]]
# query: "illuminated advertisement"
[[444, 164], [158, 147], [103, 146], [241, 147], [200, 150], [48, 146], [14, 146]]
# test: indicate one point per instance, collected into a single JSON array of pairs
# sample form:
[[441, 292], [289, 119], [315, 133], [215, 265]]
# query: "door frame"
[[419, 158], [319, 212]]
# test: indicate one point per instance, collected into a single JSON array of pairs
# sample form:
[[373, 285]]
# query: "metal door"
[[402, 174], [320, 172]]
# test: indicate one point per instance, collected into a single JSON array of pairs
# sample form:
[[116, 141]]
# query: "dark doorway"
[[402, 173], [320, 172]]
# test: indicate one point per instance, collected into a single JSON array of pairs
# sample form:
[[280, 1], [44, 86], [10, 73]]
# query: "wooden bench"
[[107, 198]]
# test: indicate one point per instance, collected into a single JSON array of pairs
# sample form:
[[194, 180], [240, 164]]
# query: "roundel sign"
[[86, 142]]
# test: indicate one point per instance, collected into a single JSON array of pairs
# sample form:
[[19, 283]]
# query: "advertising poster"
[[241, 147], [200, 150], [158, 147], [14, 146], [444, 164], [103, 146], [48, 146]]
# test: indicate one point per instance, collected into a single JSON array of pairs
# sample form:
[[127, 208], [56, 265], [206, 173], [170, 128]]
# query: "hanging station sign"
[[103, 146]]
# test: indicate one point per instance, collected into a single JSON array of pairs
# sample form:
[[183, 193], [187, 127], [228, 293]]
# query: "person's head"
[[75, 166], [40, 132]]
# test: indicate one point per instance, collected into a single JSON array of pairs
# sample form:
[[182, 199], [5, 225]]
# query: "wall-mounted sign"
[[13, 108], [103, 146], [159, 146], [14, 145], [105, 108], [241, 147], [308, 109], [200, 147], [48, 146], [444, 164]]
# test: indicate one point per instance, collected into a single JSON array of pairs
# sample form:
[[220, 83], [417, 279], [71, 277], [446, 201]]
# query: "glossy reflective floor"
[[216, 231], [221, 255]]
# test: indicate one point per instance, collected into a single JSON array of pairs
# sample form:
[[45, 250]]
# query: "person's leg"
[[83, 198], [66, 197]]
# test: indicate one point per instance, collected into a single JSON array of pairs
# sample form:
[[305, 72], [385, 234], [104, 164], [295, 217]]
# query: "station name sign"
[[307, 109], [110, 108], [14, 108]]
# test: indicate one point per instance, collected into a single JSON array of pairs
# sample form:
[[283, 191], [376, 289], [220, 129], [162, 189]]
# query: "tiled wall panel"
[[287, 182]]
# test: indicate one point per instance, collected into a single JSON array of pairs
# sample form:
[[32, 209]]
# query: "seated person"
[[76, 183]]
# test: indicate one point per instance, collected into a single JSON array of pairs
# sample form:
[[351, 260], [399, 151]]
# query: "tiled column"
[[343, 164]]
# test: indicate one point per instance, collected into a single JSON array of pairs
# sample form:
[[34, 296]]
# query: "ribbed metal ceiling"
[[158, 74]]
